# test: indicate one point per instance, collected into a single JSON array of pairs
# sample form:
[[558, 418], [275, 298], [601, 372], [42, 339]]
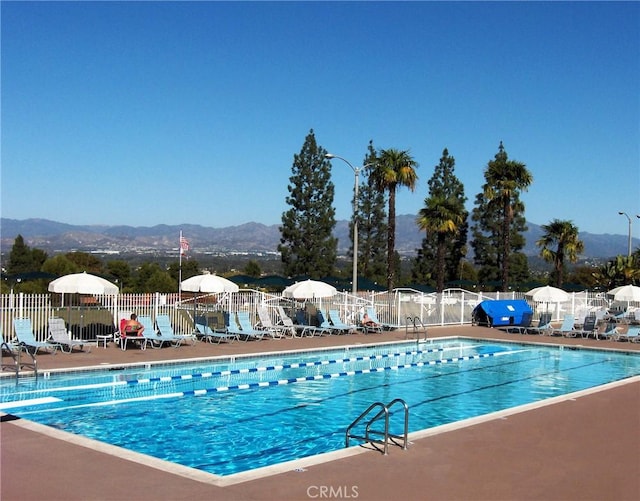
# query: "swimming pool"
[[234, 415]]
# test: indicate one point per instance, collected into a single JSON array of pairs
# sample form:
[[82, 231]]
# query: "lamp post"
[[356, 171], [629, 219]]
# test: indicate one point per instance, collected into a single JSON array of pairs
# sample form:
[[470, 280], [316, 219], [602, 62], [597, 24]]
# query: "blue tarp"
[[501, 312]]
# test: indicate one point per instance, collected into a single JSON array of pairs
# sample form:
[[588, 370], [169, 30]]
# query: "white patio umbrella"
[[309, 289], [83, 283], [208, 283], [625, 293], [547, 294]]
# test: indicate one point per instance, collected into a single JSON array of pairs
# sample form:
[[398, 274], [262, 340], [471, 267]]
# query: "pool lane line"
[[249, 370], [278, 382], [25, 403]]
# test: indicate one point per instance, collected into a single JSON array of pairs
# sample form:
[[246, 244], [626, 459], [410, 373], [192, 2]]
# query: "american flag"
[[184, 245]]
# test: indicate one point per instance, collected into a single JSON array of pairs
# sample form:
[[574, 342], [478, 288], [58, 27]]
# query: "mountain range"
[[256, 238]]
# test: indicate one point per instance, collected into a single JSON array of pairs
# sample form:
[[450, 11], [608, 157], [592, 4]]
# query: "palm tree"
[[442, 216], [394, 168], [564, 236], [504, 181]]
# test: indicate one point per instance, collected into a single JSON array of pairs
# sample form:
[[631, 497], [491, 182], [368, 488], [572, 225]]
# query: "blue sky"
[[146, 113]]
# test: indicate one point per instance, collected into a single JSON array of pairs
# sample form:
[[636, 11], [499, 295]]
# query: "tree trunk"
[[391, 240]]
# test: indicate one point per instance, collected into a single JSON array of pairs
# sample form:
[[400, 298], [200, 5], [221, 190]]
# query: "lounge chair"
[[244, 328], [608, 329], [371, 312], [8, 346], [213, 335], [328, 326], [567, 329], [59, 335], [309, 330], [521, 328], [589, 327], [544, 325], [26, 338], [337, 322], [632, 335], [266, 324], [167, 334], [123, 317], [135, 337], [288, 324], [370, 326], [14, 350]]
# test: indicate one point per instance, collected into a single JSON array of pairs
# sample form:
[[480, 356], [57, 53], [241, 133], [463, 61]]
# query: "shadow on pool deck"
[[586, 448]]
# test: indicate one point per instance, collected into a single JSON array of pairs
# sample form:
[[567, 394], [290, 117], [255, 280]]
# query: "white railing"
[[101, 315]]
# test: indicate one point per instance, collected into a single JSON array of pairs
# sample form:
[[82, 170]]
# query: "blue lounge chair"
[[167, 334], [338, 323], [328, 326], [567, 329], [368, 325], [8, 346], [608, 330], [632, 335], [371, 312], [244, 328], [26, 338], [544, 325], [59, 335], [14, 350]]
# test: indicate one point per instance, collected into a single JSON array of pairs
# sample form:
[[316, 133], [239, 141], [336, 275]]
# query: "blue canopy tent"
[[501, 312]]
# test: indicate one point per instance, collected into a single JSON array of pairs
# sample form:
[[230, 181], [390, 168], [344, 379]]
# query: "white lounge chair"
[[265, 323], [59, 335]]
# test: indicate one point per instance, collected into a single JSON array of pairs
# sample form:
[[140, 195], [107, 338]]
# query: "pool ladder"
[[383, 411], [415, 322], [18, 364]]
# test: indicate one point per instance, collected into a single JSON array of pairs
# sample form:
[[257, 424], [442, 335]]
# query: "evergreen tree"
[[444, 217], [372, 224], [394, 169], [307, 245], [499, 216], [20, 257]]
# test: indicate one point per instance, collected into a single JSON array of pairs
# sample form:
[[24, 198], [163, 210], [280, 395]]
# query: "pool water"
[[229, 416]]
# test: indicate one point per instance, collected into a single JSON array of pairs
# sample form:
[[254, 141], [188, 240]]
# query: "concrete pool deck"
[[585, 448]]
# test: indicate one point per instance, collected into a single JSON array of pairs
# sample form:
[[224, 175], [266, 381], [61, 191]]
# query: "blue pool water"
[[228, 416]]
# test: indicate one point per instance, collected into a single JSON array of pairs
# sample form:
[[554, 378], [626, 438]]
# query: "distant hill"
[[250, 237]]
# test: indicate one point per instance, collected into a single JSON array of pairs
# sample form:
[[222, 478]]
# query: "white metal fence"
[[401, 307]]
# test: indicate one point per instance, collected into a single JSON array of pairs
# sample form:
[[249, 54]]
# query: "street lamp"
[[627, 215], [356, 171]]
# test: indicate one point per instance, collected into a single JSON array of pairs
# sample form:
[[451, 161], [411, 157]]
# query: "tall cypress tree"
[[307, 245], [499, 221], [444, 218], [372, 224]]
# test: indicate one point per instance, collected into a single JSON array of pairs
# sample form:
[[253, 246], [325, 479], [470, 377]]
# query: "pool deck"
[[586, 448]]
